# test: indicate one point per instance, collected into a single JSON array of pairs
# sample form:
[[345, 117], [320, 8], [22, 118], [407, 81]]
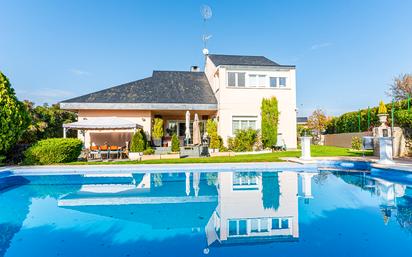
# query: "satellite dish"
[[206, 12], [205, 51]]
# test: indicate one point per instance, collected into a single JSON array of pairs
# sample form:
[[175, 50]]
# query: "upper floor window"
[[282, 82], [280, 223], [277, 82], [273, 82], [236, 79], [257, 80]]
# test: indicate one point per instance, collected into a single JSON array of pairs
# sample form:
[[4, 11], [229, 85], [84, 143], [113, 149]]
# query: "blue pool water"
[[279, 213]]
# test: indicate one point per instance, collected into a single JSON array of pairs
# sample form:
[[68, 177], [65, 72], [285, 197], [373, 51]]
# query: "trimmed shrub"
[[138, 143], [149, 151], [53, 150], [145, 141], [356, 143], [243, 141], [211, 129], [222, 147], [270, 120], [175, 143]]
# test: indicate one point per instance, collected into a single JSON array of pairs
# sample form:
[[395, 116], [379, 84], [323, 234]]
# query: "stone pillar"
[[385, 150], [305, 144]]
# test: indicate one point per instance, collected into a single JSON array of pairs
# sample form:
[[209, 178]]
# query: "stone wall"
[[343, 139], [408, 141]]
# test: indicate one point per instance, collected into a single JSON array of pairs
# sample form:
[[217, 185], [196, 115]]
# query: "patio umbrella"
[[196, 180], [187, 183], [196, 131], [187, 132]]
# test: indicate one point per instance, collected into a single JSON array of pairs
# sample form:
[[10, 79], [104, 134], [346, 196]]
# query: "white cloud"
[[79, 72], [320, 45]]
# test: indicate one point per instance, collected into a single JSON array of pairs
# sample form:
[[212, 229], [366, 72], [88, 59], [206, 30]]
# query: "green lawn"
[[317, 151]]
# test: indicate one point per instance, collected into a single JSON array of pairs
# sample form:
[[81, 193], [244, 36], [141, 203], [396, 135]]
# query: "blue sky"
[[346, 52]]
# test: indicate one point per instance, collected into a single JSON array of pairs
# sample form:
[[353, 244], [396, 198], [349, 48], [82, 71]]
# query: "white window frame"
[[244, 183], [236, 79], [276, 80], [286, 82], [259, 80], [261, 230], [244, 118]]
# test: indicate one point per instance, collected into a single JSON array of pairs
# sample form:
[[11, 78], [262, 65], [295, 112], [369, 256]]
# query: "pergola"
[[103, 123]]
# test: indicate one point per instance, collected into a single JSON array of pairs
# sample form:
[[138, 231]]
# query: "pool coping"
[[296, 164], [139, 168]]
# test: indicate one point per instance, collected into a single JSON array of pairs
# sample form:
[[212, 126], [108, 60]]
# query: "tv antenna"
[[206, 12]]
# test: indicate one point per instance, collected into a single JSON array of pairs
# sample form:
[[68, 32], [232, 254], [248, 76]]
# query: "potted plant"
[[157, 132], [382, 113], [137, 146]]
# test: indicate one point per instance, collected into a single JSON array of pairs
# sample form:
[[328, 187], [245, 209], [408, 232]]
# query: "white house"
[[241, 82], [229, 90]]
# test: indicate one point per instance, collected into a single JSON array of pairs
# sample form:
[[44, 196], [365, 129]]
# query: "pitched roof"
[[163, 87], [247, 60], [302, 119]]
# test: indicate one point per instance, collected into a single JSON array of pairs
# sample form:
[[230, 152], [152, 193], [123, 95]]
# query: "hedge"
[[348, 122], [53, 150]]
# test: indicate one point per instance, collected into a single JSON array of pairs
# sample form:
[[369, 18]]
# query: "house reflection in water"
[[165, 201], [257, 208], [232, 207]]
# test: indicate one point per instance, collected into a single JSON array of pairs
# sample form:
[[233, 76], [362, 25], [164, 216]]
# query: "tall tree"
[[46, 122], [270, 120], [14, 118], [317, 122], [401, 87]]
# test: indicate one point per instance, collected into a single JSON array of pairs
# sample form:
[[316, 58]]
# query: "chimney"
[[194, 69]]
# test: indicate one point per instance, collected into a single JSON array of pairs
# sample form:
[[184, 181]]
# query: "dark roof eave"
[[138, 106], [273, 66]]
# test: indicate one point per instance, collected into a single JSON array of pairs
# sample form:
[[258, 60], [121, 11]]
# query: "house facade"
[[230, 90]]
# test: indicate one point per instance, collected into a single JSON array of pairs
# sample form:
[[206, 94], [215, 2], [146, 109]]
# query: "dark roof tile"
[[221, 59], [162, 87]]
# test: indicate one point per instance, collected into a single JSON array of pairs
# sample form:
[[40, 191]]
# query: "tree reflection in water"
[[270, 190]]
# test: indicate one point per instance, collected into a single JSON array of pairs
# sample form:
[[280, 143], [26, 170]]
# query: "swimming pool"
[[309, 212]]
